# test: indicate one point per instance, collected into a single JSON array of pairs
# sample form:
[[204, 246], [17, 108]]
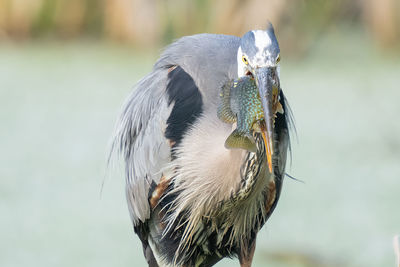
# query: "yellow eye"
[[245, 60], [278, 59]]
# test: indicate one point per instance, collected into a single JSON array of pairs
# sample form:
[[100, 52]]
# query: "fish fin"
[[241, 140], [224, 112]]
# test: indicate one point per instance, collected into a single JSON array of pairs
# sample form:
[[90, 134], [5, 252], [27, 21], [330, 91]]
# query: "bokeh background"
[[67, 65]]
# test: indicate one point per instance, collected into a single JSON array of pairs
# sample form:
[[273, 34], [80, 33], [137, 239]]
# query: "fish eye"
[[278, 58], [245, 60]]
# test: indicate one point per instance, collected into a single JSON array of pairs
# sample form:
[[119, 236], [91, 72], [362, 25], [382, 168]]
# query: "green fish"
[[241, 103]]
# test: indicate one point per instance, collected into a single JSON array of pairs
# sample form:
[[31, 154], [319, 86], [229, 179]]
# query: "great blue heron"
[[192, 200]]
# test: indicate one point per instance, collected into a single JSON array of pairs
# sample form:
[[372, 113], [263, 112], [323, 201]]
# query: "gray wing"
[[139, 137], [209, 60]]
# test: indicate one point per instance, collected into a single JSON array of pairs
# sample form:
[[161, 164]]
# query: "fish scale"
[[241, 103]]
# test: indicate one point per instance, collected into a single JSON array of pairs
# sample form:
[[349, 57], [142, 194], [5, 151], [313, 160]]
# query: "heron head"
[[258, 56]]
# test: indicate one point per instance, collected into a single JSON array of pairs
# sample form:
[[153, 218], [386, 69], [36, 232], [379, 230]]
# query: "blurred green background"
[[66, 67]]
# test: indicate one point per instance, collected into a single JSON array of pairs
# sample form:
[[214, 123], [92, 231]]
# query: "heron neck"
[[253, 167]]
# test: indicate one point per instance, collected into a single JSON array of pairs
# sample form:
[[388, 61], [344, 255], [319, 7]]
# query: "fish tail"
[[241, 140]]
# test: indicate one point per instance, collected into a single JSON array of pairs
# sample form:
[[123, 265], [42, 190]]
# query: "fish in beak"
[[268, 85], [251, 101]]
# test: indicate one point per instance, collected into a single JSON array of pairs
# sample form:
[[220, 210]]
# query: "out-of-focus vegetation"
[[154, 22], [58, 106], [59, 101]]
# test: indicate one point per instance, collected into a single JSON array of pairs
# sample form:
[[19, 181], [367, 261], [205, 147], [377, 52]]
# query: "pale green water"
[[58, 105]]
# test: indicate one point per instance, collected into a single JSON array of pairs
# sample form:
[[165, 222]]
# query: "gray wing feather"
[[139, 137]]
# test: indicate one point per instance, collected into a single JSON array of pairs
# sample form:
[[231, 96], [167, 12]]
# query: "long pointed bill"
[[264, 79]]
